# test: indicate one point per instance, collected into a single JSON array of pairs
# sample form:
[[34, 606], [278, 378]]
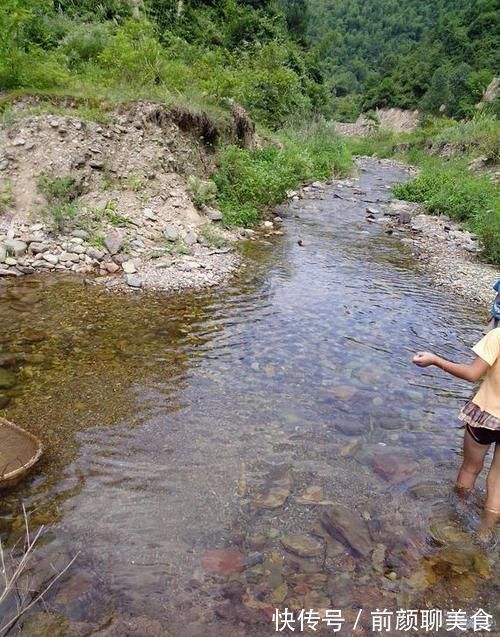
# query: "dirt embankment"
[[396, 120], [128, 200]]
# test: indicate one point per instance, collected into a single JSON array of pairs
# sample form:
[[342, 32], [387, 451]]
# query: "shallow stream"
[[191, 439]]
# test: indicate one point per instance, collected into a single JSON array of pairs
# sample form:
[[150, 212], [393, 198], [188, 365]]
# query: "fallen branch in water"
[[11, 575]]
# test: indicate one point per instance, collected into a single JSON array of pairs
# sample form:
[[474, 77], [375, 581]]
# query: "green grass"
[[448, 188], [61, 194], [213, 236], [249, 182], [133, 182]]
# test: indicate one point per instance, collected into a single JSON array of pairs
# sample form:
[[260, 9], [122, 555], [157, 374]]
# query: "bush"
[[61, 194], [248, 182], [85, 42], [133, 56]]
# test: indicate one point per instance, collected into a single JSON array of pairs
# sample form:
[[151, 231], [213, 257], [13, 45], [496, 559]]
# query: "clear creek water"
[[190, 439]]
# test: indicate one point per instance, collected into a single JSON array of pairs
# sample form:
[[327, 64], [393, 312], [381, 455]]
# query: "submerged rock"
[[343, 392], [302, 545], [347, 526], [223, 561], [392, 466], [273, 499]]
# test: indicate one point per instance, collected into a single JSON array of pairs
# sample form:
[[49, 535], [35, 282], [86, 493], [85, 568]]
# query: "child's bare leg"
[[491, 512], [472, 464]]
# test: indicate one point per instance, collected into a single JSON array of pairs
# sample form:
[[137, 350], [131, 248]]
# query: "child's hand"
[[424, 359]]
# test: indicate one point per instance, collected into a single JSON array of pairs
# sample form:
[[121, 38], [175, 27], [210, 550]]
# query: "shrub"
[[134, 55], [61, 194], [85, 43], [248, 182]]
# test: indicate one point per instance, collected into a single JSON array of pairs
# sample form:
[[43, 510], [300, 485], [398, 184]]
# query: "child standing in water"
[[481, 416]]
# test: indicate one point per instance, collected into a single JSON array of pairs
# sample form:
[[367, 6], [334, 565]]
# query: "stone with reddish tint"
[[223, 561], [392, 467]]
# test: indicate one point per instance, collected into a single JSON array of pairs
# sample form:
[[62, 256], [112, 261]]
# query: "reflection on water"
[[216, 455]]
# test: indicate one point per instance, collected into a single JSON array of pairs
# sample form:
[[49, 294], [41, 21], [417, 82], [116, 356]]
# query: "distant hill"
[[408, 54]]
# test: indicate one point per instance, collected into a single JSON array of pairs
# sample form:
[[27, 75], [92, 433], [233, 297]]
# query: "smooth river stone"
[[350, 428], [223, 561], [273, 499], [347, 526], [311, 495], [302, 545], [392, 466]]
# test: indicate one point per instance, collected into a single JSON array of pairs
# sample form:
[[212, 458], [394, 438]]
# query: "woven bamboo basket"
[[19, 452]]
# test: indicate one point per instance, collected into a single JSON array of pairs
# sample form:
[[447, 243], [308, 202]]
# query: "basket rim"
[[33, 460]]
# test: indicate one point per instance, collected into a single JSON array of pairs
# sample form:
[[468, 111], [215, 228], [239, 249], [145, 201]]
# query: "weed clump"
[[61, 194], [251, 181]]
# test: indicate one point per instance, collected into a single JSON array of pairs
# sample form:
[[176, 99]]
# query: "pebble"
[[94, 253], [347, 526], [129, 267], [223, 561], [80, 234], [302, 545], [37, 248], [170, 232], [51, 258], [134, 281], [6, 272], [111, 267]]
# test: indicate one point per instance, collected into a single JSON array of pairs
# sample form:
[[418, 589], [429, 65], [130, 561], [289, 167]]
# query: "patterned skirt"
[[471, 414]]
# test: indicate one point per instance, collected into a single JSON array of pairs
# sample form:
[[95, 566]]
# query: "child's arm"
[[467, 371]]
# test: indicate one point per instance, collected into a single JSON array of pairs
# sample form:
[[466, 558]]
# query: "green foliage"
[[64, 189], [111, 215], [85, 43], [447, 188], [61, 194], [479, 136], [248, 182], [134, 182], [209, 52], [133, 55]]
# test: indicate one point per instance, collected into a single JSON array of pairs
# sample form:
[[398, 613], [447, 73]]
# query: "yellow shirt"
[[488, 396]]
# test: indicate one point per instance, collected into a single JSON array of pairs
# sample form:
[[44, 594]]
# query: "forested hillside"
[[203, 52], [408, 54]]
